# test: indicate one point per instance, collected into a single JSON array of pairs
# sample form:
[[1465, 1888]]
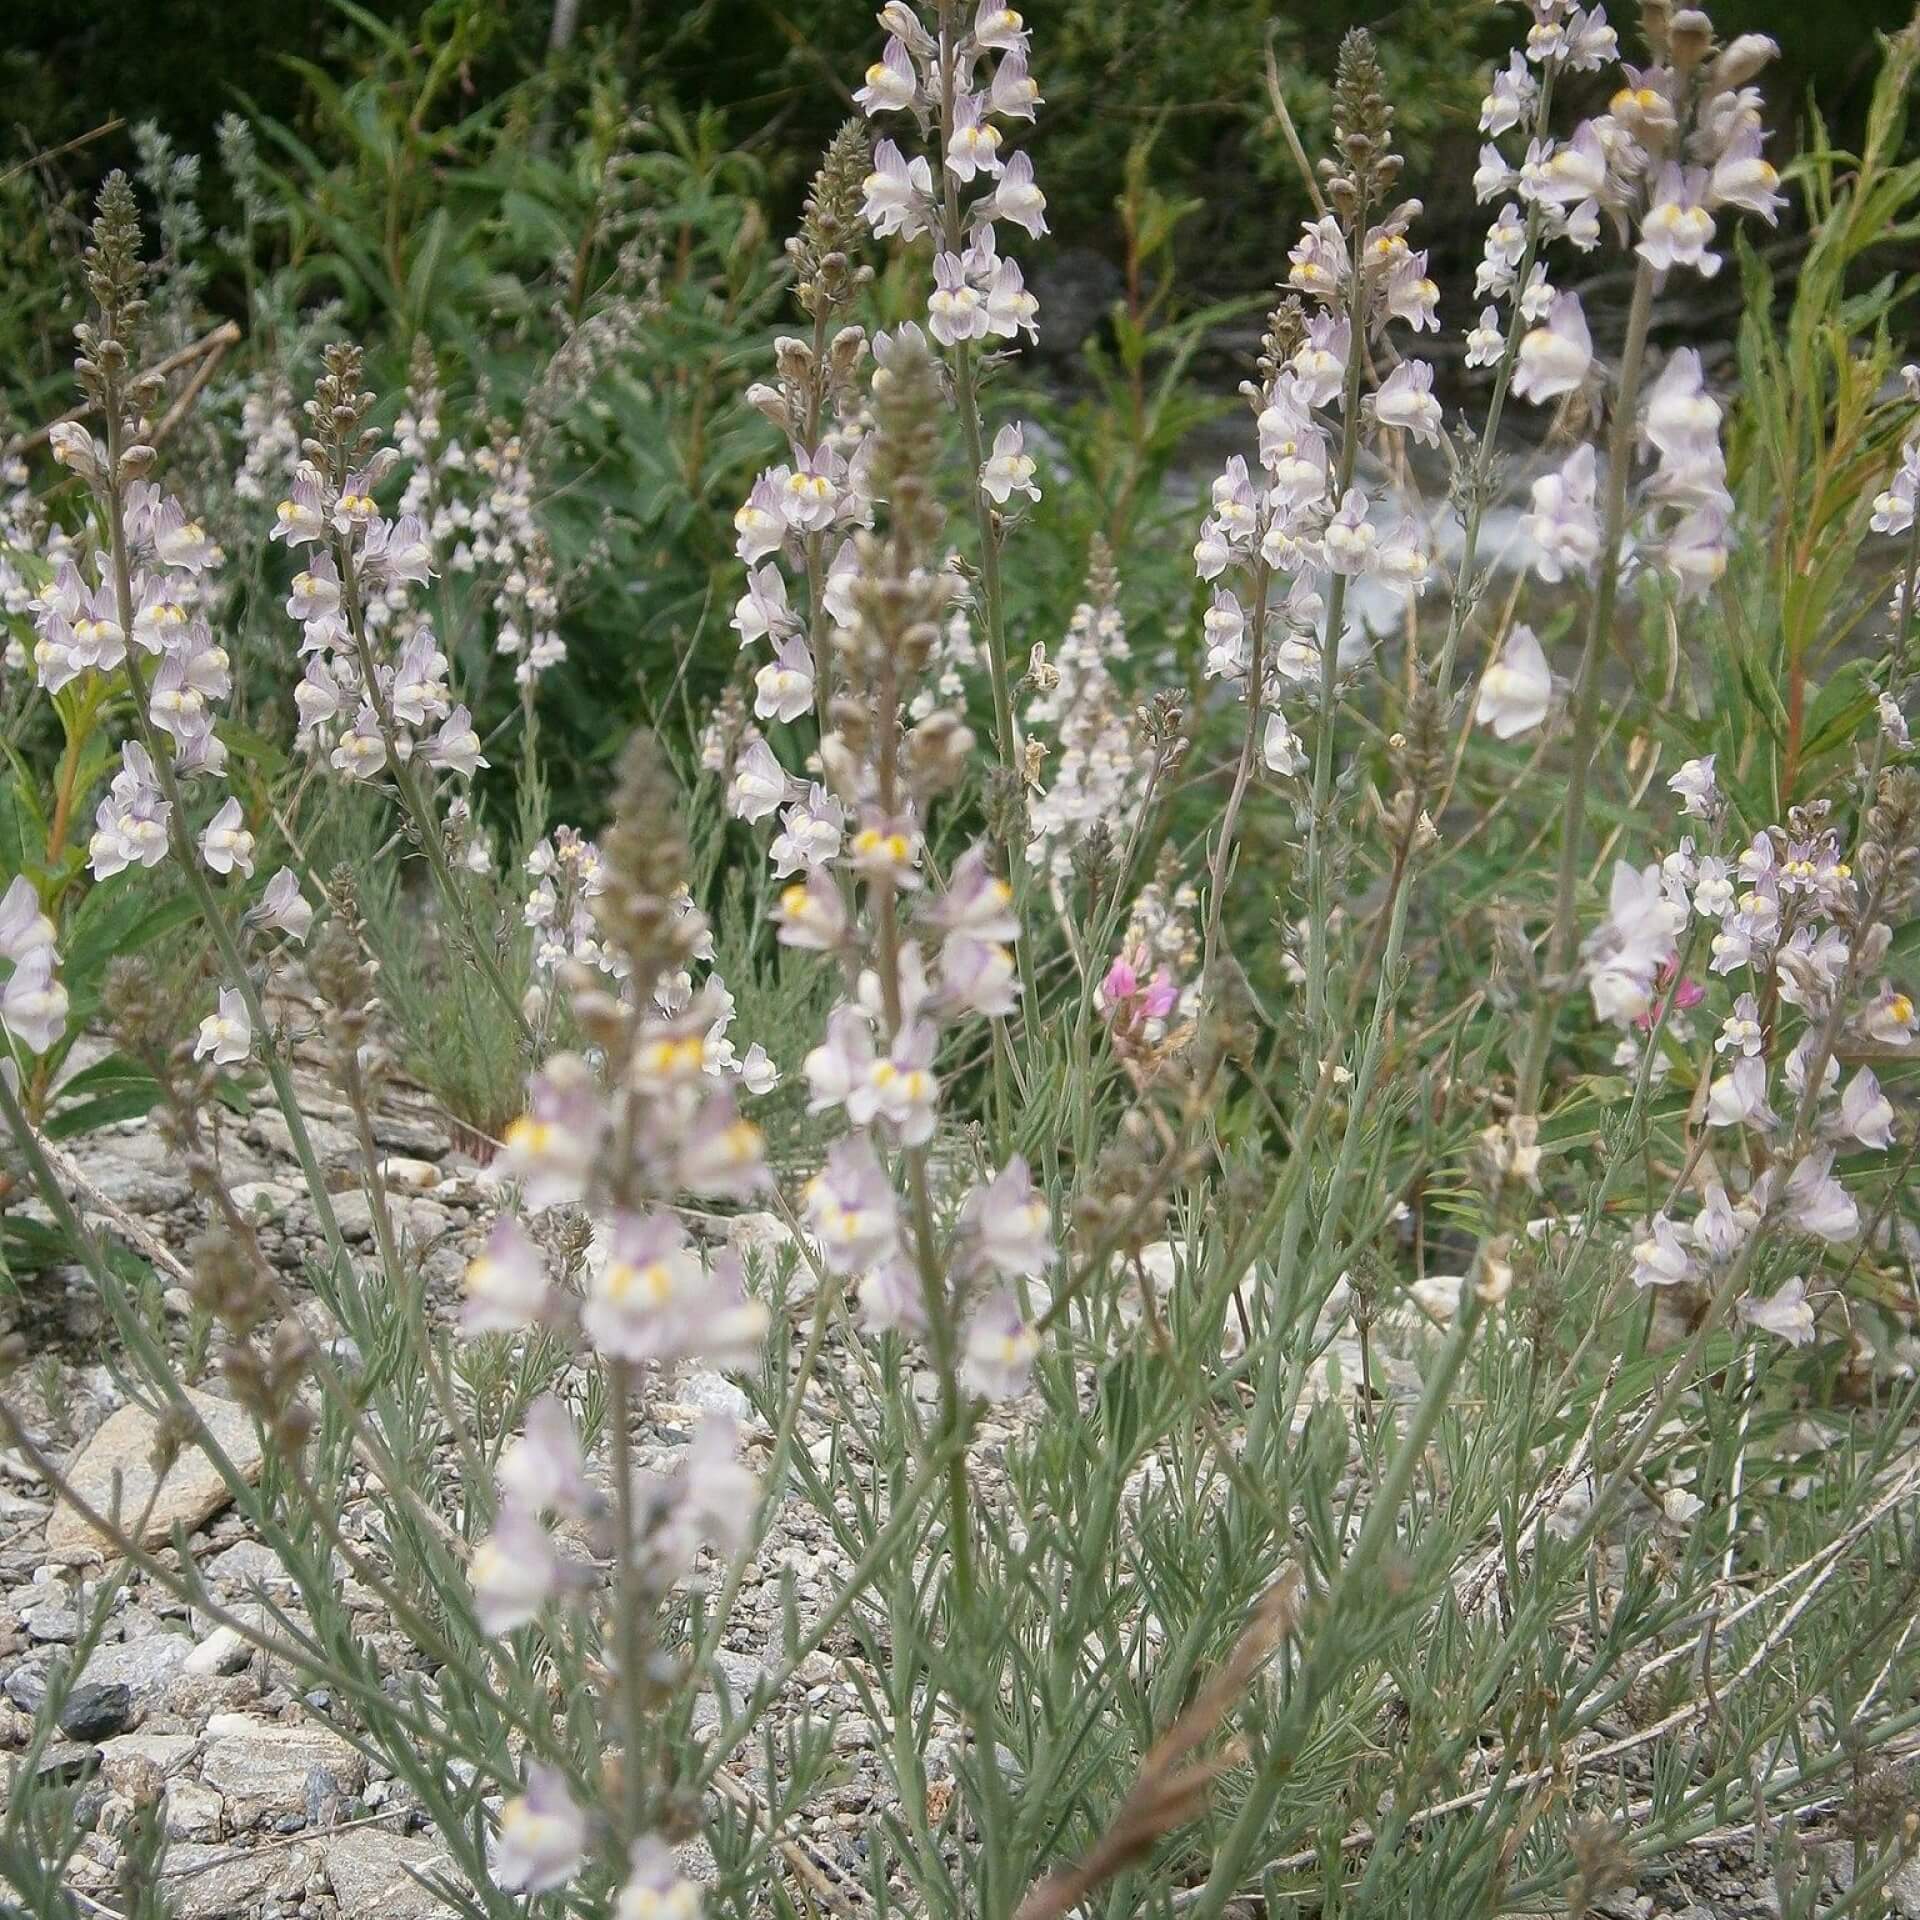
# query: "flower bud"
[[1740, 61], [1689, 38]]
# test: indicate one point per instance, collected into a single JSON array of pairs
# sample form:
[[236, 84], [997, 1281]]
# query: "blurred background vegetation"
[[533, 186]]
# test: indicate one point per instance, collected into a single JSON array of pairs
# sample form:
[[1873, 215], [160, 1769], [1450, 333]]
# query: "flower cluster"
[[1801, 926], [476, 506], [1292, 542], [367, 712], [1679, 143], [33, 1003]]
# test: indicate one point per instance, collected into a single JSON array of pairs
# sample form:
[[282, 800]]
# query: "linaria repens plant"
[[1340, 1305]]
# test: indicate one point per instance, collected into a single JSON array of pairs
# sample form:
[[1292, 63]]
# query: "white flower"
[[542, 1842], [226, 1036], [899, 193], [1517, 688], [1405, 399], [892, 85], [1694, 784], [1280, 747], [1865, 1112], [226, 845], [1555, 359], [1009, 469], [1786, 1314], [1659, 1260], [760, 784]]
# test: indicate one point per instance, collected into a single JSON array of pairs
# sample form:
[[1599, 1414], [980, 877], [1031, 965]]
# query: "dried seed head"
[[1366, 167], [825, 273]]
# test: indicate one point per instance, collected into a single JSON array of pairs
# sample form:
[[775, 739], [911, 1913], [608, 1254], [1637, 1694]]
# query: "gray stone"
[[97, 1710], [194, 1812], [134, 1760], [216, 1883], [223, 1651], [249, 1564], [260, 1767], [191, 1492], [369, 1872], [713, 1393]]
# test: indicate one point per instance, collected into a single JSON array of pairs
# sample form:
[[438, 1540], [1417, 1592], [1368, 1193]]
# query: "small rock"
[[134, 1760], [714, 1393], [260, 1767], [406, 1175], [117, 1463], [97, 1711], [369, 1873], [194, 1812], [224, 1650], [66, 1761]]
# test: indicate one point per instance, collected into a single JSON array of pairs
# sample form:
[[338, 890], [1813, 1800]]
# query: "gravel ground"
[[269, 1811]]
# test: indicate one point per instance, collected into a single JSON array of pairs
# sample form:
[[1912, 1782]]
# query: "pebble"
[[97, 1711]]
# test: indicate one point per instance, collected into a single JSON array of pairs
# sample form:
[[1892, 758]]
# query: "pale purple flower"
[[130, 824], [1694, 784], [361, 751], [783, 687], [455, 748], [1816, 1201], [33, 1002], [1016, 198], [1738, 1098], [956, 308], [1350, 537], [892, 85], [1512, 99], [722, 1156], [651, 1297], [1487, 341], [851, 1207], [1575, 171], [1008, 1224], [225, 844], [891, 1299], [1318, 262], [1865, 1112], [812, 913], [506, 1282], [1564, 523], [978, 976], [24, 928], [760, 784], [1405, 400], [810, 833], [1280, 748], [1010, 307], [1625, 953], [180, 542], [514, 1571], [1014, 93], [1516, 691], [1009, 469], [760, 522], [1556, 358], [998, 1349], [549, 1149], [1786, 1314], [1677, 230], [762, 610], [542, 1841], [1742, 177], [301, 518], [226, 1035], [1659, 1258], [1741, 1031], [974, 147], [899, 194], [655, 1889]]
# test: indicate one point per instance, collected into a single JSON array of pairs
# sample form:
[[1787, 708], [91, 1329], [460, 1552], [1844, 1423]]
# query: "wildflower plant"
[[1344, 1279]]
